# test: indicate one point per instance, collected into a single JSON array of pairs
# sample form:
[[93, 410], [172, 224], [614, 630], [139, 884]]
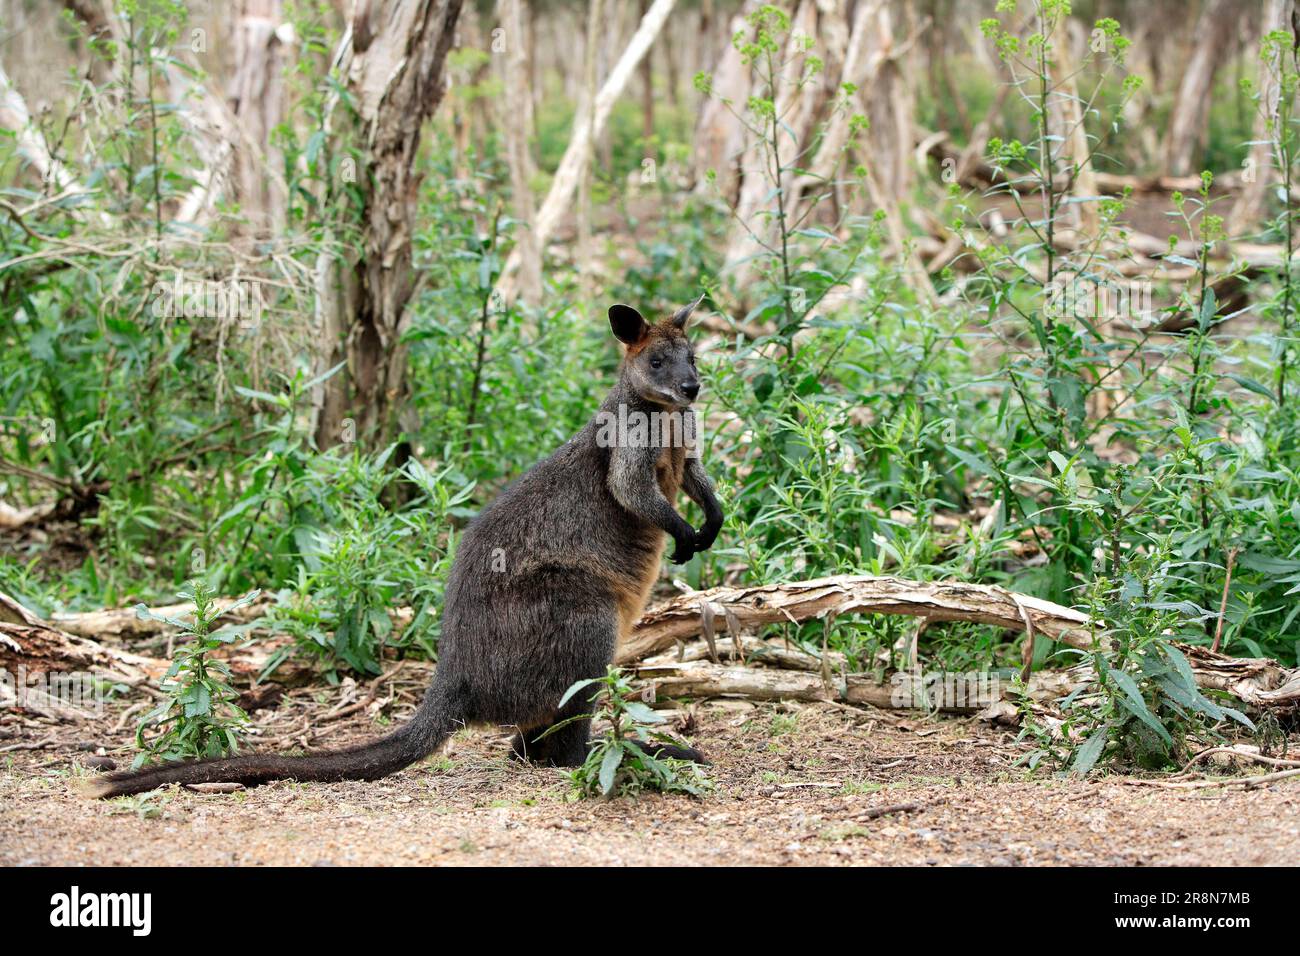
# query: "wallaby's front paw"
[[705, 537], [683, 550]]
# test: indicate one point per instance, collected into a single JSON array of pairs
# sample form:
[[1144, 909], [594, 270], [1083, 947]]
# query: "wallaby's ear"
[[684, 313], [628, 325]]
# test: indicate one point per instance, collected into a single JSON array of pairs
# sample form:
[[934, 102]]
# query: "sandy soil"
[[793, 786]]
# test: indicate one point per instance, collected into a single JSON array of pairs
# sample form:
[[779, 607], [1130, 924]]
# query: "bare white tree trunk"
[[30, 145], [518, 128], [859, 69], [587, 109], [1072, 153], [255, 95], [585, 131], [1192, 105], [889, 104], [750, 235], [719, 133], [1260, 170]]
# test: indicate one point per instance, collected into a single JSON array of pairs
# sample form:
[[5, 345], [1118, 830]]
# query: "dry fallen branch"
[[29, 643], [1249, 782], [35, 658], [701, 678], [679, 619], [122, 624], [33, 648], [1258, 682]]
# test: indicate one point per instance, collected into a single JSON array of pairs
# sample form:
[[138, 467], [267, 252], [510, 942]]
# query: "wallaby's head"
[[659, 364]]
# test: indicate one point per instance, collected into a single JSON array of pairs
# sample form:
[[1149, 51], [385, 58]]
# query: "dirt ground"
[[794, 785]]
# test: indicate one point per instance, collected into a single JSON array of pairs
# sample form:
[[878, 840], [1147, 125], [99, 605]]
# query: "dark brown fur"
[[545, 580]]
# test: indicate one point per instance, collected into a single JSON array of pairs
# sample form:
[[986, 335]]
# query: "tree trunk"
[[719, 135], [256, 96], [1187, 122], [31, 648], [30, 146], [587, 107], [517, 130], [391, 59], [586, 130], [647, 97], [860, 70], [1260, 170], [759, 188]]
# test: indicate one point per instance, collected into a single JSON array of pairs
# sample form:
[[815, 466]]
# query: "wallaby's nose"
[[690, 389]]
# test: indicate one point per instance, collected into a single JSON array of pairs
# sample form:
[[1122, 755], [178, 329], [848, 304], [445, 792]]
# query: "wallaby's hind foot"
[[563, 753], [566, 747], [661, 750]]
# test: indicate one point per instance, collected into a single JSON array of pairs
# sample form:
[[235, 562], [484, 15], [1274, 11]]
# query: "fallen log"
[[747, 649], [123, 624], [29, 642], [987, 695], [680, 618], [946, 692], [976, 173], [34, 648], [1257, 682]]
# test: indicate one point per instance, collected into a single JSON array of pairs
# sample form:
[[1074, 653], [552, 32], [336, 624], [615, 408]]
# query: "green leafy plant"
[[617, 763], [360, 558], [198, 716]]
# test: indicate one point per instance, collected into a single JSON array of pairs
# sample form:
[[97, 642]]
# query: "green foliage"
[[358, 559], [617, 764], [197, 716], [1003, 436]]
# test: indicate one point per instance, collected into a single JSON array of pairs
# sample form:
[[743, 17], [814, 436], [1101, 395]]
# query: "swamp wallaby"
[[546, 579]]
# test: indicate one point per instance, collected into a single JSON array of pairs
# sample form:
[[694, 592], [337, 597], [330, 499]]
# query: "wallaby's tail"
[[435, 720]]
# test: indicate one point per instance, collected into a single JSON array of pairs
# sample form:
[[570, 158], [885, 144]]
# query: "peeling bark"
[[32, 647], [391, 59], [678, 619]]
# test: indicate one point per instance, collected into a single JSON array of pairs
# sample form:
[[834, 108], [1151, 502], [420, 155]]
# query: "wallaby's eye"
[[656, 363]]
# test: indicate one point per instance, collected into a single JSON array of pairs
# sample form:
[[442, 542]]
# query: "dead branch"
[[704, 679], [122, 624], [798, 601], [1258, 682], [33, 648]]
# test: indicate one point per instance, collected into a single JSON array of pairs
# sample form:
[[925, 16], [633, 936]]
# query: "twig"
[[887, 809], [1249, 755], [348, 709], [1223, 604], [1248, 782], [128, 714]]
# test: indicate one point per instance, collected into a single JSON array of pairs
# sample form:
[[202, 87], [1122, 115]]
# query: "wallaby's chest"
[[669, 467], [670, 463]]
